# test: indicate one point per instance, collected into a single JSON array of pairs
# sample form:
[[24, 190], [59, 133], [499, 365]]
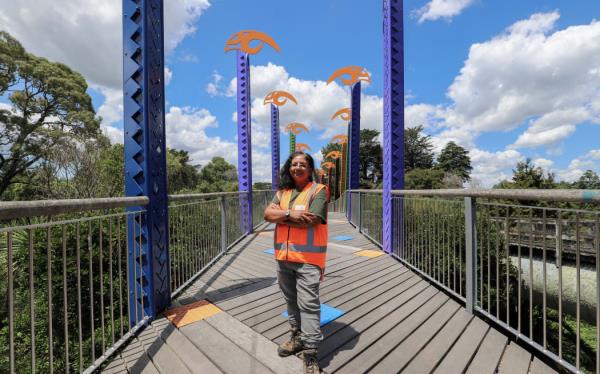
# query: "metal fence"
[[66, 301], [525, 259], [260, 200], [64, 272]]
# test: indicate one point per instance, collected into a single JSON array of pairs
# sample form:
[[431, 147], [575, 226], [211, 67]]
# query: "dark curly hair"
[[285, 177]]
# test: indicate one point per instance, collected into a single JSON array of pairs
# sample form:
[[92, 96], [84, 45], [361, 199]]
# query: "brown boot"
[[292, 346], [311, 364]]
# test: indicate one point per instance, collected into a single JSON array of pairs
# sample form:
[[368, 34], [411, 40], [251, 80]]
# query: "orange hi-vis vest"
[[301, 244]]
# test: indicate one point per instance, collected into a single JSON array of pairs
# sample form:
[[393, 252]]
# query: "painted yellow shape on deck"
[[190, 313], [369, 253], [264, 233]]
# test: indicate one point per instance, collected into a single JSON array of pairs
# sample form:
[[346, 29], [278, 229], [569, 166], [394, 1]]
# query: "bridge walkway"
[[393, 321]]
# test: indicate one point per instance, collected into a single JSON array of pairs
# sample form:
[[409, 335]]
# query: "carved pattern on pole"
[[393, 122], [244, 140], [274, 147], [145, 156]]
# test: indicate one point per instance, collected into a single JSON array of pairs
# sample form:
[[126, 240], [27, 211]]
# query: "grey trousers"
[[300, 286]]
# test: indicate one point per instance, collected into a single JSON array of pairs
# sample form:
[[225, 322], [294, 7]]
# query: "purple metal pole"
[[244, 140], [393, 123], [145, 157], [274, 147], [354, 140]]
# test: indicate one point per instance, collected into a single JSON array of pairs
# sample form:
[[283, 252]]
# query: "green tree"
[[371, 159], [527, 175], [261, 186], [181, 175], [588, 181], [454, 159], [49, 107], [424, 179], [218, 175], [418, 153]]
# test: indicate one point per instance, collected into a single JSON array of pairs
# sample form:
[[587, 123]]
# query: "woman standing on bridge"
[[299, 209]]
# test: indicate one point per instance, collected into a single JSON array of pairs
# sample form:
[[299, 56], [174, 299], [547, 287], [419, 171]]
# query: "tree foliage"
[[527, 175], [181, 175], [588, 181], [454, 159], [49, 109], [218, 176], [371, 159], [418, 150]]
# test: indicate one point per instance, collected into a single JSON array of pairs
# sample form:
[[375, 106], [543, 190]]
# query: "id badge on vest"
[[299, 207]]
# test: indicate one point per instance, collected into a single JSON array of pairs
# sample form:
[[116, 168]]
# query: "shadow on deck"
[[394, 321]]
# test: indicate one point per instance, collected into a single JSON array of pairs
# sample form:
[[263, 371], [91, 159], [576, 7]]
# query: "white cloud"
[[490, 168], [168, 75], [317, 102], [87, 34], [214, 88], [436, 9]]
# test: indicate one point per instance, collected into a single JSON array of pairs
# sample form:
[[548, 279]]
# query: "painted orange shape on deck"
[[190, 313], [369, 253]]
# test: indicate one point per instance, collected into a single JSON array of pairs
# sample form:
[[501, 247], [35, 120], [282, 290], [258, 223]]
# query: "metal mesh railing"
[[64, 284], [260, 200], [531, 267]]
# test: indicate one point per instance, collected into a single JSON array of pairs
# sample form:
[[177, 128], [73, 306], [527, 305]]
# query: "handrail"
[[198, 196], [572, 196], [20, 209]]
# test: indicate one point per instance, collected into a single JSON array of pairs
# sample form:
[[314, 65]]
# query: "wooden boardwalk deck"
[[394, 321]]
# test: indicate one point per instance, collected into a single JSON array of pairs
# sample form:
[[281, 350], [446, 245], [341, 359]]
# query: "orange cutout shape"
[[328, 165], [296, 128], [279, 98], [302, 147], [241, 41], [369, 253], [334, 155], [340, 139], [344, 114], [350, 75], [190, 313]]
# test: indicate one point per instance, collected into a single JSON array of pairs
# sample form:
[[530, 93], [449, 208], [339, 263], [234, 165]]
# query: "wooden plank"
[[261, 319], [329, 297], [163, 357], [459, 356], [400, 354], [435, 350], [359, 305], [136, 359], [196, 361], [540, 367], [223, 352], [515, 360], [393, 328], [267, 309], [255, 344], [395, 311], [488, 355]]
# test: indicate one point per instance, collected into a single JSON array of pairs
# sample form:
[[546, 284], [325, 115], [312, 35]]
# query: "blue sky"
[[505, 79]]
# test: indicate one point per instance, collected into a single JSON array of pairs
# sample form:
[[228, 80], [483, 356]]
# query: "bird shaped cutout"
[[345, 114], [339, 139], [296, 128], [328, 165], [350, 75], [334, 155], [302, 147], [241, 41], [279, 98]]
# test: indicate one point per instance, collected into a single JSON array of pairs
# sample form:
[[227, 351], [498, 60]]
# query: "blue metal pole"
[[145, 156], [244, 140], [274, 147], [393, 123], [354, 143]]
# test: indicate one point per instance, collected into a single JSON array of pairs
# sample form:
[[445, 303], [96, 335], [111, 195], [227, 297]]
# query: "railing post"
[[471, 253], [223, 224], [360, 207]]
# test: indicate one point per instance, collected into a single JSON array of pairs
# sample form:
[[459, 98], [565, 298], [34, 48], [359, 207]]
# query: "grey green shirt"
[[317, 207]]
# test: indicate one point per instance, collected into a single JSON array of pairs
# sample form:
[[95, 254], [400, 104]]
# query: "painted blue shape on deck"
[[270, 251], [342, 237], [328, 314]]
